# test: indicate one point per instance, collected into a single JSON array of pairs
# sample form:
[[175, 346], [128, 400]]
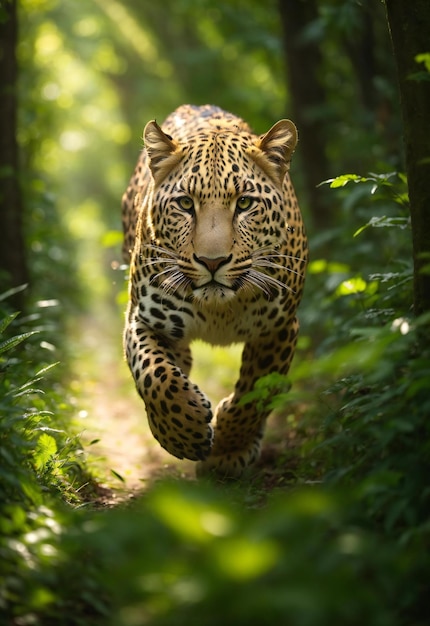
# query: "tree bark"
[[303, 66], [409, 22], [13, 267]]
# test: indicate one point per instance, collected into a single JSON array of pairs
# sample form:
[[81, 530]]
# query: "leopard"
[[217, 251]]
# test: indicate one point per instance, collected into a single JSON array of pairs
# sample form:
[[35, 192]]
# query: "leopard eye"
[[244, 203], [186, 203]]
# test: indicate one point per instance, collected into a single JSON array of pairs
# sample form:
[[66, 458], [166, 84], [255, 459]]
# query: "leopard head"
[[217, 217]]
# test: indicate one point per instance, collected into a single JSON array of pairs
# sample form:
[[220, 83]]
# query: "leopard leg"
[[240, 426], [178, 412]]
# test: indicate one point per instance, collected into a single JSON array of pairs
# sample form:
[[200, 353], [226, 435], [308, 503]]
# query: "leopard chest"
[[180, 320]]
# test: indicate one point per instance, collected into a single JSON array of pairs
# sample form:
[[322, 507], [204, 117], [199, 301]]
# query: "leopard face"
[[219, 253]]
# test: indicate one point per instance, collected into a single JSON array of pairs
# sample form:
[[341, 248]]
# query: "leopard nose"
[[213, 264]]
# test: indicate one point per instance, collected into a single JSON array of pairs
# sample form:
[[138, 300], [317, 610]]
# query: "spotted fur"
[[218, 252]]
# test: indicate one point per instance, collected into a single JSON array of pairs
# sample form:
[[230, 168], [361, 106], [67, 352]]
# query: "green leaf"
[[47, 429], [384, 222], [12, 292], [15, 341], [46, 448], [26, 391], [351, 286], [118, 476], [341, 181], [424, 57], [6, 321], [46, 369], [377, 179]]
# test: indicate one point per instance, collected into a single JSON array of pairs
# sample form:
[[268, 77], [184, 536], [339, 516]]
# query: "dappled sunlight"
[[137, 36]]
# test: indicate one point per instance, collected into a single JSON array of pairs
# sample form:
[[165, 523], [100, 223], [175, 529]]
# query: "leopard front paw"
[[182, 426]]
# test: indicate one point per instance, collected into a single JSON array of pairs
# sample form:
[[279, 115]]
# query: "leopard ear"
[[273, 150], [163, 151]]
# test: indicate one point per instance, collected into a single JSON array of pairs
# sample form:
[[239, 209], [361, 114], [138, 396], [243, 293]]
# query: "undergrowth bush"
[[365, 271], [376, 441], [40, 460], [38, 451]]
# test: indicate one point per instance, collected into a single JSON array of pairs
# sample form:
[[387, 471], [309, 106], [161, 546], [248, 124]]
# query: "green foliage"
[[269, 392], [423, 75], [365, 274], [17, 481], [39, 460], [188, 554], [214, 562], [298, 561], [36, 452], [377, 441]]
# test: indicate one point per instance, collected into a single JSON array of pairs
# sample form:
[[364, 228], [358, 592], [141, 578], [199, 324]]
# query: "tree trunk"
[[303, 65], [409, 22], [13, 267]]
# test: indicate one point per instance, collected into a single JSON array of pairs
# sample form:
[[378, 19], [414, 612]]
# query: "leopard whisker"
[[173, 283], [254, 279], [163, 255], [171, 279], [168, 257], [269, 253], [159, 261], [274, 281], [264, 282], [275, 255], [265, 263], [162, 250], [168, 270], [156, 277]]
